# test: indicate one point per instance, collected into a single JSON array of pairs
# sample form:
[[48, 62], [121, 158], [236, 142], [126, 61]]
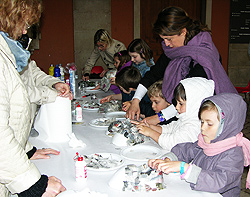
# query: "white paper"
[[54, 121]]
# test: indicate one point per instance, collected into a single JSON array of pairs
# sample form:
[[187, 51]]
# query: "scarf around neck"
[[21, 55], [223, 145], [202, 51]]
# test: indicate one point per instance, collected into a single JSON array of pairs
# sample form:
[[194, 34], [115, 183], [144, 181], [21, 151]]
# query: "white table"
[[62, 166]]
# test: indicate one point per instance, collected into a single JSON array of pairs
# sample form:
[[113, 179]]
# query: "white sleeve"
[[140, 92], [169, 112]]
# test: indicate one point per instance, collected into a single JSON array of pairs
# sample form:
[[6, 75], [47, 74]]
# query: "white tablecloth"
[[62, 166]]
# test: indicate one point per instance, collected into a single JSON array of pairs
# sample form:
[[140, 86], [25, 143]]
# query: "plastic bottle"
[[51, 70], [61, 72], [78, 113], [57, 72], [72, 80], [80, 170]]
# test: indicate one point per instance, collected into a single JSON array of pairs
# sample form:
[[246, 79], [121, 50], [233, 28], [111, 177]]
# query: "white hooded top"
[[187, 127]]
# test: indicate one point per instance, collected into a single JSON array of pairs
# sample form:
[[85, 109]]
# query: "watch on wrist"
[[161, 117]]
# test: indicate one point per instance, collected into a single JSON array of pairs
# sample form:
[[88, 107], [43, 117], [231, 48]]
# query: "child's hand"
[[170, 166], [126, 105], [135, 122], [153, 163], [153, 120], [106, 99], [112, 80], [145, 122], [145, 130], [96, 88], [103, 72]]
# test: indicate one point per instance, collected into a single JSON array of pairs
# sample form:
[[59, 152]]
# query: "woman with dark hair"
[[188, 52], [105, 47]]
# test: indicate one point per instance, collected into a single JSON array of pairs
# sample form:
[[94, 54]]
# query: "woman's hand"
[[63, 90], [133, 110], [44, 153], [54, 187], [103, 72], [106, 99], [126, 105], [85, 78]]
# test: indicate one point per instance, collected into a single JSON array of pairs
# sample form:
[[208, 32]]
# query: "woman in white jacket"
[[20, 86], [189, 95]]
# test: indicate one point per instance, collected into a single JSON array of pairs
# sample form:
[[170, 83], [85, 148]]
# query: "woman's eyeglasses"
[[27, 26], [100, 46]]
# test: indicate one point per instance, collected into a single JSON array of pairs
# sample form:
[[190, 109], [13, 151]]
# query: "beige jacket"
[[17, 173], [107, 56]]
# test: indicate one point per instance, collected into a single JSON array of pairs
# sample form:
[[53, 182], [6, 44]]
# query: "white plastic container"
[[80, 170], [78, 113]]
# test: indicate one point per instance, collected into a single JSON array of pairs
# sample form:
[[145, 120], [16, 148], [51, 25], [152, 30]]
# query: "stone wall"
[[89, 16], [239, 64]]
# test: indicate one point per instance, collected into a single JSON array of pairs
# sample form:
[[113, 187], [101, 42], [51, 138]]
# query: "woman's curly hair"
[[15, 15]]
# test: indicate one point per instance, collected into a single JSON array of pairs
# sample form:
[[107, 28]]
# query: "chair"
[[244, 90], [97, 70]]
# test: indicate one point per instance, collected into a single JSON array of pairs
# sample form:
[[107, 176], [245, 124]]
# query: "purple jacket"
[[202, 50], [220, 173]]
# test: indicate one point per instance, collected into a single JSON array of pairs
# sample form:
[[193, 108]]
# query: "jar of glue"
[[80, 169], [78, 113]]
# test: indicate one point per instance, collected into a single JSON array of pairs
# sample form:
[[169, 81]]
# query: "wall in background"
[[122, 20], [57, 34], [67, 33], [89, 16], [220, 28]]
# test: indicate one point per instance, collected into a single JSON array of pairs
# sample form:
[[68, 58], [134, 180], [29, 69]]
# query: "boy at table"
[[127, 80], [188, 94]]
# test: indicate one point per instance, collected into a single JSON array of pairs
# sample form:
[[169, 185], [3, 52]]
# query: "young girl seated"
[[141, 55], [189, 93], [122, 60], [216, 161], [127, 80]]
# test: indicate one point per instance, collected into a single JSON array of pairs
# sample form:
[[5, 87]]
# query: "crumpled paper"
[[74, 142], [105, 81], [113, 105]]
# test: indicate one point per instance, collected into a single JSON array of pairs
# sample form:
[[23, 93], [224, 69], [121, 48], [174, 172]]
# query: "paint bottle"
[[78, 113], [57, 72], [80, 170], [51, 70], [61, 72]]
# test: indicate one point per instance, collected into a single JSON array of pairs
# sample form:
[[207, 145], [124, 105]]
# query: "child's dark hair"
[[128, 77], [123, 57], [179, 92], [208, 105], [156, 90], [141, 47]]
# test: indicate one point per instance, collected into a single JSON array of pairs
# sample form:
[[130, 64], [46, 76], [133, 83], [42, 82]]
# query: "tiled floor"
[[246, 131]]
